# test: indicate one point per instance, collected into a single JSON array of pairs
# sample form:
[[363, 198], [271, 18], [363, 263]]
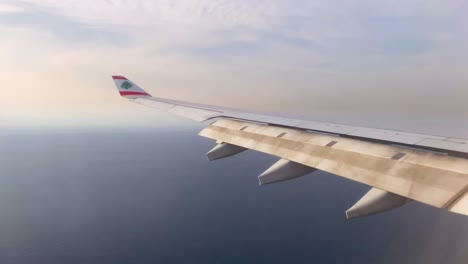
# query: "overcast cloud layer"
[[386, 63]]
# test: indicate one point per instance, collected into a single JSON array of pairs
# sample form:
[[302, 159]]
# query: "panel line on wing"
[[417, 177]]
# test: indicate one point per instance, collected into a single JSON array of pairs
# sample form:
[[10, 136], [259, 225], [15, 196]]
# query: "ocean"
[[149, 195]]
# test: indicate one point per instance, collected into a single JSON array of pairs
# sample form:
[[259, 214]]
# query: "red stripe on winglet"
[[115, 77], [133, 93]]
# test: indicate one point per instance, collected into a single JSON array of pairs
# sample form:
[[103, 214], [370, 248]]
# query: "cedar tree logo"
[[126, 85]]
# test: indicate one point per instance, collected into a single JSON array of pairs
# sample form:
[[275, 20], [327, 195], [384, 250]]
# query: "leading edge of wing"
[[200, 113]]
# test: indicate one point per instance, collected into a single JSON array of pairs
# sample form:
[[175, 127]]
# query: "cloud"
[[316, 57], [7, 8], [334, 28]]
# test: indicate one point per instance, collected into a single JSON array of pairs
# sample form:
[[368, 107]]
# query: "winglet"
[[127, 88]]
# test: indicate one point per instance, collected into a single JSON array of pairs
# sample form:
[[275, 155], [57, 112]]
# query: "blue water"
[[151, 196]]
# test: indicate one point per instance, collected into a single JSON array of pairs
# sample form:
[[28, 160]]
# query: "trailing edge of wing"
[[430, 178]]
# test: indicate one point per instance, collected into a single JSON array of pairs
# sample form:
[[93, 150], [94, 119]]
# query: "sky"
[[389, 64]]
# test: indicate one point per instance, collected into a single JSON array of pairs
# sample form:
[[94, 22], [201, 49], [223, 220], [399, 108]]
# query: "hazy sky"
[[376, 63]]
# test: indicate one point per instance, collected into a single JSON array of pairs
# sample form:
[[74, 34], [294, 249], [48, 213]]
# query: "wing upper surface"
[[400, 166], [197, 112]]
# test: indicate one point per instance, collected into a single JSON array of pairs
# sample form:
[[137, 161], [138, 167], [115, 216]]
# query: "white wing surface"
[[399, 166]]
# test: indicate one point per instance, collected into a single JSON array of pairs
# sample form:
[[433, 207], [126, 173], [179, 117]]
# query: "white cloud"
[[314, 56], [210, 13], [8, 8]]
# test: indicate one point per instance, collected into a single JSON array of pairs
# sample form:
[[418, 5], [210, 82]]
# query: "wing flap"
[[460, 206], [402, 171], [446, 143]]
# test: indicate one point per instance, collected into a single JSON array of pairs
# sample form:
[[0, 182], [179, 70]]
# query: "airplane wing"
[[399, 166]]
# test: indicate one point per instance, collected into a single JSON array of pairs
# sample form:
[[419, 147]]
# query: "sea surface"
[[151, 196]]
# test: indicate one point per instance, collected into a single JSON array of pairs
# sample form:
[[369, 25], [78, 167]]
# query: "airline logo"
[[127, 88], [126, 85]]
